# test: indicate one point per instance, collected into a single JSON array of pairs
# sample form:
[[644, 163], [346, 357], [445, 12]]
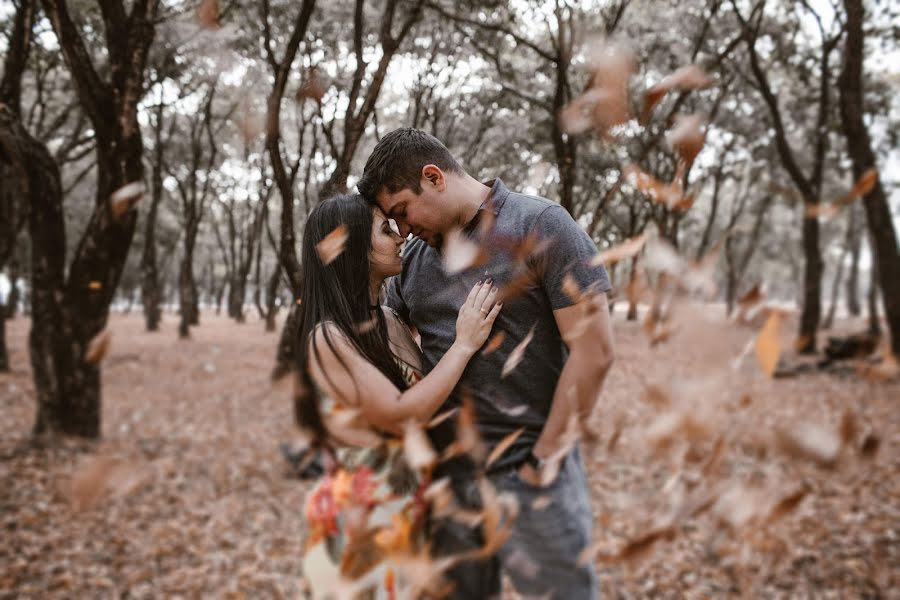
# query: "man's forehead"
[[389, 201]]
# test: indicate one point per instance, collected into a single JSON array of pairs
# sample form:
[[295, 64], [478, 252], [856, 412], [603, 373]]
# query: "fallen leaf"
[[313, 86], [811, 442], [331, 246], [458, 252]]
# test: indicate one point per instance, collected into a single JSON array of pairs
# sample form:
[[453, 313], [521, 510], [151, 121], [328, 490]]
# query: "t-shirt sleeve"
[[394, 299], [567, 250]]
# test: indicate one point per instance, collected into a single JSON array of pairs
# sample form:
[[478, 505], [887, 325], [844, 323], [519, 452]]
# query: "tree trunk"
[[855, 242], [884, 238], [187, 300], [272, 298], [150, 293], [835, 288], [872, 300]]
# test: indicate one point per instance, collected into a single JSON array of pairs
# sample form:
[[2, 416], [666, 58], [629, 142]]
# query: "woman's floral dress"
[[369, 505]]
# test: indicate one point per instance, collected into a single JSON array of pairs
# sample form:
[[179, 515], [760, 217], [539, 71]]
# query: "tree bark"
[[68, 314], [150, 292], [853, 306], [859, 145]]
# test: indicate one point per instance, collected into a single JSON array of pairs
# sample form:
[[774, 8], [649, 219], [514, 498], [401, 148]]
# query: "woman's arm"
[[357, 382]]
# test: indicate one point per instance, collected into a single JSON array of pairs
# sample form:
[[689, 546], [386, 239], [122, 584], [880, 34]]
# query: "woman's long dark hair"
[[339, 293]]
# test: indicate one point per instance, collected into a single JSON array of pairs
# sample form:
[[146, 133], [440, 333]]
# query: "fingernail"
[[489, 281]]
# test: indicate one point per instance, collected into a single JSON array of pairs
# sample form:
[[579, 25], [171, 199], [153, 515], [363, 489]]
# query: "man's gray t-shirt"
[[532, 245]]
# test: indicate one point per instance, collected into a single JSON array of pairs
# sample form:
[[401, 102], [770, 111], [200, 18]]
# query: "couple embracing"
[[385, 342]]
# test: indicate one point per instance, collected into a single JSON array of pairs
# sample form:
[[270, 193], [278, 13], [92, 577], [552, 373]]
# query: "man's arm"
[[586, 329]]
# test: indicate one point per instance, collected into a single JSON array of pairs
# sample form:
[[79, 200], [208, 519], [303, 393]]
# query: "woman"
[[357, 363]]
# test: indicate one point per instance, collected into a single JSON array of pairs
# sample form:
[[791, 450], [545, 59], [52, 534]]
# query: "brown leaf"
[[98, 347], [313, 86], [870, 445], [416, 448], [687, 137], [522, 281], [849, 428], [208, 14], [458, 252], [810, 442], [541, 503], [495, 342], [468, 439], [125, 198], [669, 194], [103, 477], [95, 285], [690, 77], [503, 446], [605, 103], [788, 503], [571, 288], [518, 353], [863, 186], [768, 343], [331, 246], [624, 250], [440, 418]]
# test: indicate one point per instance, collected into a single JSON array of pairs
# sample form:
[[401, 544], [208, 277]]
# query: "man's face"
[[419, 214]]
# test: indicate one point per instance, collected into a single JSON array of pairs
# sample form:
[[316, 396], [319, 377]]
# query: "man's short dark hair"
[[397, 160]]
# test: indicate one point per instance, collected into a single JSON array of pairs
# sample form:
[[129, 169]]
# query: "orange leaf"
[[502, 447], [313, 86], [690, 77], [331, 246], [125, 198], [97, 347], [495, 342], [516, 356], [624, 250], [416, 448], [768, 343], [208, 14], [687, 137]]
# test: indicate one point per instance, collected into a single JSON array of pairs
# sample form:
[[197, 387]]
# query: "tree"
[[859, 146], [69, 312]]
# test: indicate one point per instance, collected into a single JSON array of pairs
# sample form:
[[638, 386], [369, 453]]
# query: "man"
[[533, 249]]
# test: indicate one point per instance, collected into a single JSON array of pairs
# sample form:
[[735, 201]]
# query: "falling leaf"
[[102, 477], [690, 77], [313, 86], [768, 343], [503, 446], [494, 342], [811, 442], [863, 186], [364, 327], [98, 347], [571, 288], [541, 503], [669, 194], [95, 285], [331, 246], [516, 286], [438, 419], [208, 14], [468, 440], [687, 137], [125, 198], [458, 252], [605, 103], [416, 448], [515, 357], [624, 250]]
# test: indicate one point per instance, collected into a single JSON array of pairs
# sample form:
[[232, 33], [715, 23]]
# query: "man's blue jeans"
[[541, 555]]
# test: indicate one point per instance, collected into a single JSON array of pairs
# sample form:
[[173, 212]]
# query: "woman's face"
[[384, 257]]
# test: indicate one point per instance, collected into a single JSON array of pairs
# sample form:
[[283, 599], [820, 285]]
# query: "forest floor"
[[196, 500]]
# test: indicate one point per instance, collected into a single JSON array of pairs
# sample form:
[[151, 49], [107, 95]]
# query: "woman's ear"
[[434, 176]]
